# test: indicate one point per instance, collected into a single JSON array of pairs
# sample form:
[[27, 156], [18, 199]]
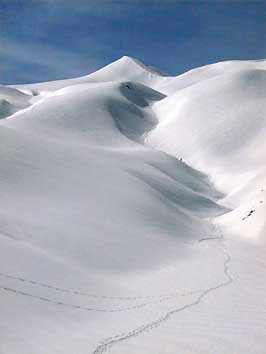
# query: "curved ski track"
[[105, 345], [156, 298]]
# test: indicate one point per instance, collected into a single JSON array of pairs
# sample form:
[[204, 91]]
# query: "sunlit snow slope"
[[132, 215]]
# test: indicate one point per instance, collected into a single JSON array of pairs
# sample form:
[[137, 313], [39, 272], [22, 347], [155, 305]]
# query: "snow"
[[110, 242], [12, 100]]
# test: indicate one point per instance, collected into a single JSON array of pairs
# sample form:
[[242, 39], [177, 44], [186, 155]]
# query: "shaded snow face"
[[88, 172], [12, 100]]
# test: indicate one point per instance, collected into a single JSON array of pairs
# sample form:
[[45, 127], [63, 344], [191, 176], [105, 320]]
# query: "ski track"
[[78, 307], [77, 292], [107, 343], [160, 298]]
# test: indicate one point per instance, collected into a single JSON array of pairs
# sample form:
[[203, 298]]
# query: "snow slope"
[[11, 101], [110, 243], [231, 140]]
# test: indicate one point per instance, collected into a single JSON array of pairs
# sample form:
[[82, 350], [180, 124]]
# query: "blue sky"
[[51, 39]]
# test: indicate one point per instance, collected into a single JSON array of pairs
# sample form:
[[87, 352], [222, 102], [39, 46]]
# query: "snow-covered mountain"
[[132, 215]]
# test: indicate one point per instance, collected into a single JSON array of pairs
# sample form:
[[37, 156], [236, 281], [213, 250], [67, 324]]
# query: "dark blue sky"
[[51, 39]]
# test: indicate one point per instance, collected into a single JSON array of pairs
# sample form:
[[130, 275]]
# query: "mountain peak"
[[132, 60], [127, 57]]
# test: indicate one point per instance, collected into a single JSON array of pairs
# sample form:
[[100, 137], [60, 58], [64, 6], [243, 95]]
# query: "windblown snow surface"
[[132, 215]]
